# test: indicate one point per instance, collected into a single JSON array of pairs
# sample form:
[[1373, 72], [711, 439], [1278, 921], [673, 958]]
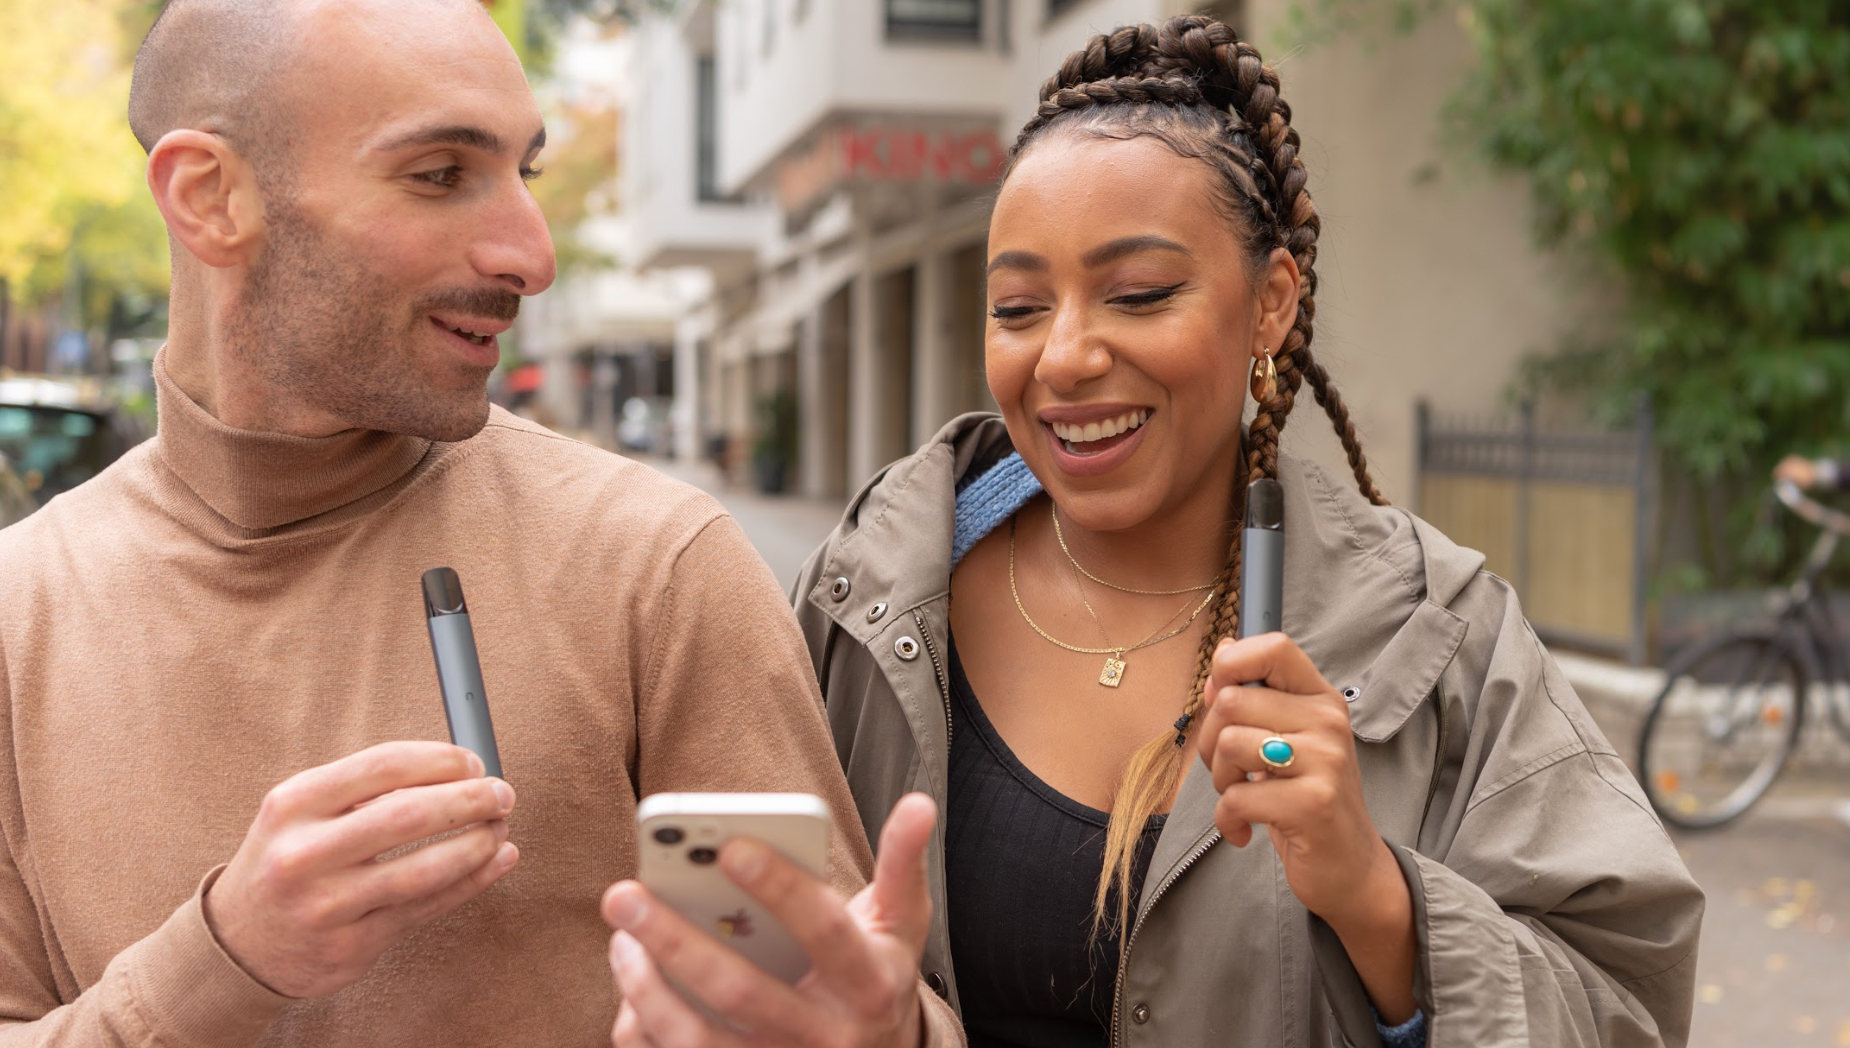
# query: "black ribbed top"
[[1021, 865]]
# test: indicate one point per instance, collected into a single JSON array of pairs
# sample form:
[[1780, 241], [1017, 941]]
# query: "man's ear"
[[1276, 300], [208, 196]]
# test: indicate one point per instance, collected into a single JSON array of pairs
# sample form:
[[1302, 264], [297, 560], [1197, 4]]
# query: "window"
[[935, 19]]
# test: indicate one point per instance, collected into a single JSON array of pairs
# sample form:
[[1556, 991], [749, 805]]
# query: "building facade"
[[830, 165]]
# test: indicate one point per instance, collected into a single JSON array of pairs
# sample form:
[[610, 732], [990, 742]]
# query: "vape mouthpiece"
[[443, 593], [1265, 504]]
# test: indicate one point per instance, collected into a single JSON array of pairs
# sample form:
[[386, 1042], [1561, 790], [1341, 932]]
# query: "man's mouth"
[[1094, 437], [480, 338]]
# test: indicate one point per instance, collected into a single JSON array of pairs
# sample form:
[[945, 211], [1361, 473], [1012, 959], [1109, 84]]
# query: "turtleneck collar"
[[266, 480]]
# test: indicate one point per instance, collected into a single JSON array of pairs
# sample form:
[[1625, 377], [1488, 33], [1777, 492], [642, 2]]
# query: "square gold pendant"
[[1113, 673]]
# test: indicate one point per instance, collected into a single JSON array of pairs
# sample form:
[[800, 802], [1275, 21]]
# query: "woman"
[[1027, 620]]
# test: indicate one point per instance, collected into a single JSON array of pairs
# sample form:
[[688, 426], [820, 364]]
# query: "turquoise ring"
[[1276, 753]]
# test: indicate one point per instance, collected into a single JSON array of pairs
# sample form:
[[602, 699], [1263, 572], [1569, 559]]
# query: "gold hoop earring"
[[1264, 380]]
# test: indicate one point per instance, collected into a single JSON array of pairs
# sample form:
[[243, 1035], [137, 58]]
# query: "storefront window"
[[935, 19]]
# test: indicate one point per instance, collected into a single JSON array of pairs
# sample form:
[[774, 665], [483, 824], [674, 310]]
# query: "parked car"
[[55, 433]]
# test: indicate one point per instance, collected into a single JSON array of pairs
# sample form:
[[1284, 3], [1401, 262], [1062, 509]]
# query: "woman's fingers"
[[1272, 659], [1238, 752]]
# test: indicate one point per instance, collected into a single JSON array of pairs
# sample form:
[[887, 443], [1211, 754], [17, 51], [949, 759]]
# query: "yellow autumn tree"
[[71, 188]]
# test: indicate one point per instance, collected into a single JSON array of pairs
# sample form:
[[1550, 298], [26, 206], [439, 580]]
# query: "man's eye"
[[447, 177]]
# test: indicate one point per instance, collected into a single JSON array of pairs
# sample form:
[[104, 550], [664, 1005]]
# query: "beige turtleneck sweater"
[[222, 609]]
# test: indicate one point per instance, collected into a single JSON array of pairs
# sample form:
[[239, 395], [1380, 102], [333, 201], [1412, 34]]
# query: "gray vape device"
[[1262, 559], [459, 671]]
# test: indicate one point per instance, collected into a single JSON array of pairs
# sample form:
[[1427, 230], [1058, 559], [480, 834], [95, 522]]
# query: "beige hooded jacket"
[[1552, 909]]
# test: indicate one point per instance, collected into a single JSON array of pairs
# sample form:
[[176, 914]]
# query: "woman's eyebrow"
[[1119, 248], [1023, 260]]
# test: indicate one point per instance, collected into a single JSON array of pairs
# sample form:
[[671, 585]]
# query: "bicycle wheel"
[[1722, 728]]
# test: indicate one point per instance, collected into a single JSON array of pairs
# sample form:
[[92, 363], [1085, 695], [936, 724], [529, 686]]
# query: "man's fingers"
[[816, 917], [1272, 659], [663, 1016], [901, 893], [628, 1031], [421, 872], [720, 976], [335, 787], [413, 814], [472, 882]]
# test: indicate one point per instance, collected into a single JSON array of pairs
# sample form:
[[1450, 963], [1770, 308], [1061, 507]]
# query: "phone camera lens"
[[668, 835], [701, 856]]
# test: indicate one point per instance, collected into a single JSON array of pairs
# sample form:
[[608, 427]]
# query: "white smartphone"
[[681, 834]]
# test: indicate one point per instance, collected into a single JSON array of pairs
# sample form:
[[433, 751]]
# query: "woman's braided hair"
[[1194, 85]]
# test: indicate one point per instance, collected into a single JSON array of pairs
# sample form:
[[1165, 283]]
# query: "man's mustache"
[[493, 303]]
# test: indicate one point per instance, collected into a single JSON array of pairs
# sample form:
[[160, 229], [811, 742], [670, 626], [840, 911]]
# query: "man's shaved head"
[[345, 180], [216, 65]]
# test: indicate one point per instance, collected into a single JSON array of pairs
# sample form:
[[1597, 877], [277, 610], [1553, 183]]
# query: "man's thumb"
[[900, 893]]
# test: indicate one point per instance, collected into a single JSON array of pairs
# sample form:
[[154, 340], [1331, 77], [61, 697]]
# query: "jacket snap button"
[[1140, 1014], [839, 591], [1351, 693], [907, 648], [874, 613], [937, 985]]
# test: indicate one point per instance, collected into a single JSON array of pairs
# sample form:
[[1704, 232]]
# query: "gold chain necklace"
[[1113, 673], [1081, 568]]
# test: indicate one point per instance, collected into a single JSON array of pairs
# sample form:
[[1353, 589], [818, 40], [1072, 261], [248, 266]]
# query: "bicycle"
[[1733, 705]]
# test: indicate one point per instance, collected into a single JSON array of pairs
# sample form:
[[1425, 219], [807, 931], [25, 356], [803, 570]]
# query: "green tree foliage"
[[1701, 150]]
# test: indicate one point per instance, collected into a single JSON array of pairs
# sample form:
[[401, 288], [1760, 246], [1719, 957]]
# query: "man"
[[226, 816]]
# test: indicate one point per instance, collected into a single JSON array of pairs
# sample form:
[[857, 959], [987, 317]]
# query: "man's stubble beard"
[[323, 328]]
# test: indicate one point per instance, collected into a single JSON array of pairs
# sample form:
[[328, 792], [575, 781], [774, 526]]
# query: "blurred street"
[[1775, 957]]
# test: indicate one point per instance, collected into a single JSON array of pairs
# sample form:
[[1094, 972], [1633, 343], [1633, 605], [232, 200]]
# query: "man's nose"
[[1072, 353], [513, 245]]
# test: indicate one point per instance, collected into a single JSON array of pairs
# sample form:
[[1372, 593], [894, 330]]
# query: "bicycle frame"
[[1804, 606]]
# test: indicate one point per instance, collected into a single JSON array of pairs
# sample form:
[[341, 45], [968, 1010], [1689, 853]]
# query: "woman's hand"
[[861, 993], [1335, 860]]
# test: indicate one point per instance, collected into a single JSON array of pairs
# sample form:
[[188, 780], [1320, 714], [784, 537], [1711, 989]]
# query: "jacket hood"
[[1366, 594]]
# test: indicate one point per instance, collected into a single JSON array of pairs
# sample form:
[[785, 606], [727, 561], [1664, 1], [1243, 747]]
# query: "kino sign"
[[888, 153]]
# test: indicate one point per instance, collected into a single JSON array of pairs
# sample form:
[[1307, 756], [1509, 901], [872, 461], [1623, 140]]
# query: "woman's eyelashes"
[[1154, 296], [1133, 301]]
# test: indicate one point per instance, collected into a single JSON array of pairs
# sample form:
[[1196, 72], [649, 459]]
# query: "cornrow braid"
[[1194, 85]]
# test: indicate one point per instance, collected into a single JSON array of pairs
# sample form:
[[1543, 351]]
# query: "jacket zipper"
[[1124, 962], [937, 666]]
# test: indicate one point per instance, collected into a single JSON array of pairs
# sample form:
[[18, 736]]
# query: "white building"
[[831, 162]]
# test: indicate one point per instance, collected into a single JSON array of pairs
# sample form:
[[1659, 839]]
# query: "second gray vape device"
[[459, 671], [1262, 559]]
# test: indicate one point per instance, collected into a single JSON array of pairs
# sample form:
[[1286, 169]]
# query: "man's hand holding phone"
[[861, 992], [306, 907]]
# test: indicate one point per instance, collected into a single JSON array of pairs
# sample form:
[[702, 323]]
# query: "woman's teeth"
[[1075, 434]]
